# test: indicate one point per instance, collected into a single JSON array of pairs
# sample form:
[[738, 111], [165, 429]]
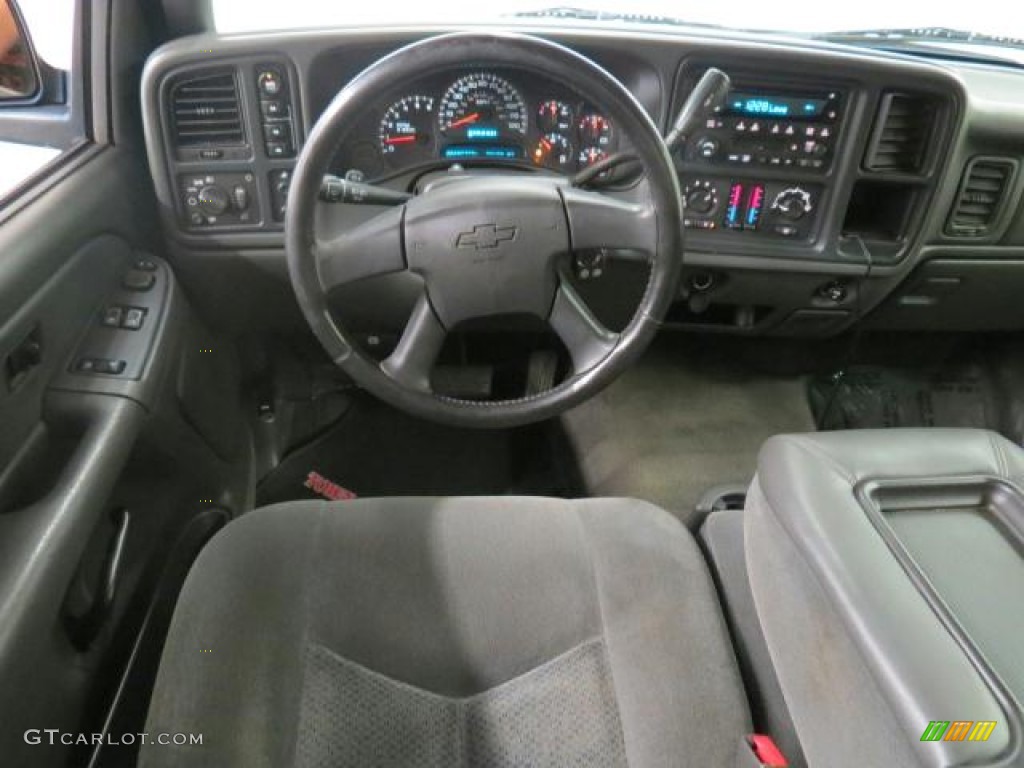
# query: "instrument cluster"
[[483, 118]]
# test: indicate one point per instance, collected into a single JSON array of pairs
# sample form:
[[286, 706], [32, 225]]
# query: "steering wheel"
[[488, 244]]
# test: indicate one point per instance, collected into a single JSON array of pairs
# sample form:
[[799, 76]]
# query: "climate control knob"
[[793, 203], [700, 198], [213, 200]]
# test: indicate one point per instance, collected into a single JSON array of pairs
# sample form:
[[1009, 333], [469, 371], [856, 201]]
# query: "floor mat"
[[687, 417], [374, 450], [872, 397]]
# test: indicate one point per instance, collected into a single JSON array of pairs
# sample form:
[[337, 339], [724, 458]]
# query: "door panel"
[[60, 452]]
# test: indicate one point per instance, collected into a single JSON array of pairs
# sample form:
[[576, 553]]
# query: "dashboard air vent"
[[903, 128], [206, 111], [980, 199]]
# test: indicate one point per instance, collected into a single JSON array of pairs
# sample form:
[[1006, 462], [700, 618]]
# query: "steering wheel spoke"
[[367, 250], [586, 338], [600, 221], [417, 351]]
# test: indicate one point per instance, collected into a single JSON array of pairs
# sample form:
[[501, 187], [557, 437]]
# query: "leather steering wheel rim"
[[659, 225]]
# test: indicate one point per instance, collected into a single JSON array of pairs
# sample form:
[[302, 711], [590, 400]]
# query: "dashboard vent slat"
[[980, 199], [903, 130], [206, 110]]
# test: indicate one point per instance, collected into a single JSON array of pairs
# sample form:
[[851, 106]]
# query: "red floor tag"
[[321, 486]]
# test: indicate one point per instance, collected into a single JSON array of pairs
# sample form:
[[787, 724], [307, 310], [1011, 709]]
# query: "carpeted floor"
[[375, 450], [686, 418]]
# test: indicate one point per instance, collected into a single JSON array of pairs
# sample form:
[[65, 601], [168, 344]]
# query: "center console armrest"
[[887, 572]]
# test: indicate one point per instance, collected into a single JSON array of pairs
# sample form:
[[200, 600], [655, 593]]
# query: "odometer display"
[[482, 107]]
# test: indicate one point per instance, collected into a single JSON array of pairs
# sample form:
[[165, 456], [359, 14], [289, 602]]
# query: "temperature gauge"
[[554, 117], [553, 150]]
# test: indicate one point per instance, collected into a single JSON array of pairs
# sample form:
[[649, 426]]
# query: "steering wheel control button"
[[590, 265], [134, 280]]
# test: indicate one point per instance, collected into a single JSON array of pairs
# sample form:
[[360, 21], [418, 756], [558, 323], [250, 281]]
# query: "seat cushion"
[[471, 631]]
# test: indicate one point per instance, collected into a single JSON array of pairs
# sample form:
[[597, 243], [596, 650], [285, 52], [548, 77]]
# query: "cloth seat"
[[450, 632]]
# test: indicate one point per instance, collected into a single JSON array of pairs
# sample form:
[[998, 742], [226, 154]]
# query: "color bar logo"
[[958, 730]]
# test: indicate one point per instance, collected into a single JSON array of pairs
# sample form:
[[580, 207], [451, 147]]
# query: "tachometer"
[[482, 107], [406, 130]]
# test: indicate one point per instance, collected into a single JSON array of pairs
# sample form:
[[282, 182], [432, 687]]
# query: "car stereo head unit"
[[774, 128]]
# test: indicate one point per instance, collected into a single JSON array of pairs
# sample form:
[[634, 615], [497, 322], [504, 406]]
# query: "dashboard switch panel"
[[219, 200], [275, 109], [279, 183]]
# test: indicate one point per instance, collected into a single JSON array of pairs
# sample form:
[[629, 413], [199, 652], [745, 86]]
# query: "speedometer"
[[482, 107]]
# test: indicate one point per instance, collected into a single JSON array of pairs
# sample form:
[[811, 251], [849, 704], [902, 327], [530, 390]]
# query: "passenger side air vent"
[[206, 110], [902, 132], [981, 197]]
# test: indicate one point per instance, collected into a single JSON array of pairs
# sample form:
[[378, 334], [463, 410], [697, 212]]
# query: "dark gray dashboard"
[[897, 190]]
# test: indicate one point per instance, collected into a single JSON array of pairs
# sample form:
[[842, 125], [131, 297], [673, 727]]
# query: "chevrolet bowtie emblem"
[[486, 236]]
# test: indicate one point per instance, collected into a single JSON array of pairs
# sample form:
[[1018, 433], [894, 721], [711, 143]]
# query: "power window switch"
[[86, 365], [133, 317], [112, 317]]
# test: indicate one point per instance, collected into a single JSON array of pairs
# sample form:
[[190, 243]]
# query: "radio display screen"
[[793, 106]]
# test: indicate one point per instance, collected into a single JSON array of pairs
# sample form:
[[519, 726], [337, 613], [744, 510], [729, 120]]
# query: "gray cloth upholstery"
[[457, 632], [857, 646]]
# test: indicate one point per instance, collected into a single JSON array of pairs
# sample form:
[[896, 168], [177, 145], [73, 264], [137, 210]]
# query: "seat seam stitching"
[[605, 645], [312, 547]]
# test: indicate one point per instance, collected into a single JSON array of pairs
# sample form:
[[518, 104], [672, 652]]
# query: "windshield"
[[805, 17]]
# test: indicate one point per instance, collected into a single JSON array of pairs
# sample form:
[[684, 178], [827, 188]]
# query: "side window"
[[39, 119]]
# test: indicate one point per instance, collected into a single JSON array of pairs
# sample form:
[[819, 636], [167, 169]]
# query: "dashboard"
[[835, 186], [477, 116]]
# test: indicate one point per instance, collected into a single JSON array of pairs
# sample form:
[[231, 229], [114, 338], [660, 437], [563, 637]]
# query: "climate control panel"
[[751, 207]]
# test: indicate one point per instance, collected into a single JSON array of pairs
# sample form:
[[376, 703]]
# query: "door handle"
[[84, 624]]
